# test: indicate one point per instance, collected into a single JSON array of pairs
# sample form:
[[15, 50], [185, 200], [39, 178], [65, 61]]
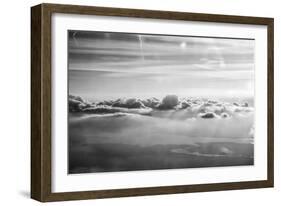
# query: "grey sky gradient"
[[105, 65]]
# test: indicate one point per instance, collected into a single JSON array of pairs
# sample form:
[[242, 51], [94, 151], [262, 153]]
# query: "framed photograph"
[[130, 102]]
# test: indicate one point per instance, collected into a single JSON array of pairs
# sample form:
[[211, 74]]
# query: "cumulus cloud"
[[77, 98], [151, 102], [208, 115], [169, 102], [183, 108], [104, 103], [101, 110], [134, 103], [225, 115], [76, 103], [131, 103], [245, 104], [184, 104]]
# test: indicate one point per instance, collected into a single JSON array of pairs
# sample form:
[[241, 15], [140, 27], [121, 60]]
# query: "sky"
[[104, 65]]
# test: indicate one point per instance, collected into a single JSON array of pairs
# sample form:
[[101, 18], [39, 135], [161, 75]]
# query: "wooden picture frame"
[[41, 96]]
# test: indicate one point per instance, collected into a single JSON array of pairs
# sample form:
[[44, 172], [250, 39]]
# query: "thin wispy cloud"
[[172, 63]]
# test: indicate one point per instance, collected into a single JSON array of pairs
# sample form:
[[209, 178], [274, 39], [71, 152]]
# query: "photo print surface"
[[150, 102]]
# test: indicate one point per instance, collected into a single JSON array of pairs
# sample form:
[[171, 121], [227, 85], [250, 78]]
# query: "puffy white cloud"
[[178, 108], [169, 102], [245, 104], [225, 115], [184, 104], [77, 98], [106, 103], [151, 102], [134, 103], [76, 103], [131, 103], [208, 115], [101, 110]]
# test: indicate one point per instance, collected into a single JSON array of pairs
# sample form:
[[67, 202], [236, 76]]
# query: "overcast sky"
[[106, 65]]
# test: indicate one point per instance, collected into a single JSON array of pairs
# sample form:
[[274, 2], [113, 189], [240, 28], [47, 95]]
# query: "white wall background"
[[15, 102]]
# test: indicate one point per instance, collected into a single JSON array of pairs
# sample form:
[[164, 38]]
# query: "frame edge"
[[158, 14], [270, 100], [36, 138]]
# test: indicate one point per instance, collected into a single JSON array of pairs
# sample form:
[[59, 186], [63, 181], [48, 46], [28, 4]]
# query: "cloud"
[[151, 102], [131, 103], [76, 103], [225, 151], [169, 107], [184, 104], [225, 115], [169, 102], [101, 110], [208, 115], [200, 150]]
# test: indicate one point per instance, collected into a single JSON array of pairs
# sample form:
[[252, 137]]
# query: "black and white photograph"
[[153, 101]]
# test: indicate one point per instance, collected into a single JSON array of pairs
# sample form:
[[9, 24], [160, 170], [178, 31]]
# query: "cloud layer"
[[170, 105]]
